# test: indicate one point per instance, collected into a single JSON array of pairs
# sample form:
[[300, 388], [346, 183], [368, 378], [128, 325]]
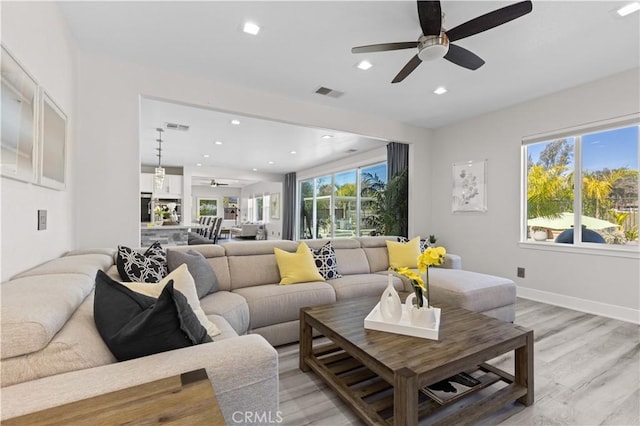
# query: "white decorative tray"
[[374, 321]]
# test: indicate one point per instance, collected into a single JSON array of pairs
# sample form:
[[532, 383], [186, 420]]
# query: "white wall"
[[107, 133], [36, 34], [273, 226], [488, 242]]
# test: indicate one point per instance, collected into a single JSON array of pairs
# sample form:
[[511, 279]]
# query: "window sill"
[[627, 251]]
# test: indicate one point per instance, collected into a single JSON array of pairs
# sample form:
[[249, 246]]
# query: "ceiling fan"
[[435, 41], [215, 184]]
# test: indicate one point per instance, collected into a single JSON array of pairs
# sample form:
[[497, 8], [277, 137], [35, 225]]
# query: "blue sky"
[[350, 176], [611, 149]]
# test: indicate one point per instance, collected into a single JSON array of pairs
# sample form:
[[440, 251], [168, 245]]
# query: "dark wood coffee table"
[[380, 374]]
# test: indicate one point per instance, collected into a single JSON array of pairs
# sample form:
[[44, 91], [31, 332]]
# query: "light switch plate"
[[42, 220]]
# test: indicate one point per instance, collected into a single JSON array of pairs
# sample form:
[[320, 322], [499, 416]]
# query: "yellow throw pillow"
[[404, 254], [298, 267], [183, 282]]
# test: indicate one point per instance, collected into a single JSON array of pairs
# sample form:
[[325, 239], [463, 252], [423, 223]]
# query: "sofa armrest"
[[452, 261], [243, 371]]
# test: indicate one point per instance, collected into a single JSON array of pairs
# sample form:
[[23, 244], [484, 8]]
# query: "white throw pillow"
[[183, 282]]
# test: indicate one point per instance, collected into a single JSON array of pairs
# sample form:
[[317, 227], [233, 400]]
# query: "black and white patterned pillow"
[[325, 258], [423, 243], [150, 267]]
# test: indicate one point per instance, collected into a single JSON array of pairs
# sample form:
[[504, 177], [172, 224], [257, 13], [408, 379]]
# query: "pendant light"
[[158, 177]]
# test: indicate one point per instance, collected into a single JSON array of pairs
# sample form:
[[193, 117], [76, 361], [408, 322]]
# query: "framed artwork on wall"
[[274, 200], [18, 141], [53, 145], [231, 208], [207, 207], [469, 186]]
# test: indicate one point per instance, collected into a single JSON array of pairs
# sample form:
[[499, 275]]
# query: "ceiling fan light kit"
[[431, 47], [434, 43]]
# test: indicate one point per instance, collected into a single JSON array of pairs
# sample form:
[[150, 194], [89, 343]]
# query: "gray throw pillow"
[[204, 277]]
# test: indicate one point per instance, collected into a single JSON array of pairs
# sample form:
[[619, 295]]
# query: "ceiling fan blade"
[[430, 16], [463, 57], [490, 20], [384, 47], [408, 69]]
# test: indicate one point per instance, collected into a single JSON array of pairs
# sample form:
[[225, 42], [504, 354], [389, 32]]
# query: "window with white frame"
[[583, 179]]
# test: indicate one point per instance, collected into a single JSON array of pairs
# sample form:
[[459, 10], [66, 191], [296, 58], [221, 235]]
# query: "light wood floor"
[[587, 372]]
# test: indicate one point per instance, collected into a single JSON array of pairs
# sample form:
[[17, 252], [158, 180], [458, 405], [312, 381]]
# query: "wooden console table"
[[187, 399]]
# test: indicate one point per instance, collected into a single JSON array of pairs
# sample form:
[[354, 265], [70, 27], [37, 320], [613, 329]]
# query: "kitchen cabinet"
[[146, 182], [172, 187]]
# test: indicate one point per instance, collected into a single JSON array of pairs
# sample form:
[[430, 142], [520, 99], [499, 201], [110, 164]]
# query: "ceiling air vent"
[[176, 126], [329, 92]]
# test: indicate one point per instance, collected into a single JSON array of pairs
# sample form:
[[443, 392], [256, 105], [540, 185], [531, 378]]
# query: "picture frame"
[[20, 107], [231, 208], [469, 192], [274, 204], [52, 166], [206, 207]]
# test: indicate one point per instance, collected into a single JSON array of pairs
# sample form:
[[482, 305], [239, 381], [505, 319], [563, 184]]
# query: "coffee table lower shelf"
[[371, 397]]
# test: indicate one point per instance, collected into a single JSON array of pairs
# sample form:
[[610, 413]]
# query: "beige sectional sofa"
[[51, 348]]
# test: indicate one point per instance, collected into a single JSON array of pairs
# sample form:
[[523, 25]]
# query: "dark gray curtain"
[[397, 158], [289, 206], [398, 164]]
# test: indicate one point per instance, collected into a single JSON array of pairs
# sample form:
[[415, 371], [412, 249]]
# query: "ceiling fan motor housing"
[[433, 47]]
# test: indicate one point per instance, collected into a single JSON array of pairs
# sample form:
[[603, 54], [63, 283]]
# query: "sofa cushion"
[[149, 267], [134, 325], [86, 264], [272, 303], [231, 306], [363, 285], [226, 330], [76, 346], [404, 254], [184, 283], [35, 308], [298, 267], [352, 261], [470, 290], [244, 373], [205, 279], [325, 259]]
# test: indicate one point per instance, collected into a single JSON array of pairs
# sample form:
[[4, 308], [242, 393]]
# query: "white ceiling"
[[253, 144], [304, 45]]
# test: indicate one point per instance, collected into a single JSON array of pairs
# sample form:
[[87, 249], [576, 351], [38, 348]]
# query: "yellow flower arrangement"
[[430, 257]]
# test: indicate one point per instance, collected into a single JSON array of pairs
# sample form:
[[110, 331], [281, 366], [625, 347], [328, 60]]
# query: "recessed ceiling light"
[[364, 65], [254, 169], [218, 143], [440, 91], [251, 28], [629, 9], [292, 152], [206, 155], [327, 136], [271, 162], [235, 122], [199, 164]]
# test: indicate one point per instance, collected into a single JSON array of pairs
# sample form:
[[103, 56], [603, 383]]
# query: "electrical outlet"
[[520, 272], [42, 220]]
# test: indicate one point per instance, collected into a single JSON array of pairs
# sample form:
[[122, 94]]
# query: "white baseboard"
[[589, 306]]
